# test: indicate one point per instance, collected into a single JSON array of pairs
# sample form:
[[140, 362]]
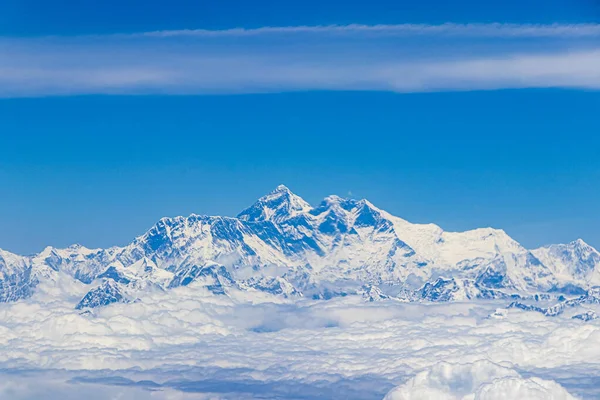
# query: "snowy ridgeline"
[[284, 248]]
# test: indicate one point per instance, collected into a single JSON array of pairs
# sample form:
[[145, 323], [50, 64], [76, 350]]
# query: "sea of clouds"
[[190, 344]]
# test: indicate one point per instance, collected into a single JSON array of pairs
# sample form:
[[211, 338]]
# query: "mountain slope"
[[284, 247], [576, 262]]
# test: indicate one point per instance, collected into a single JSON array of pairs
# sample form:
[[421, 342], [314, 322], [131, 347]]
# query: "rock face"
[[107, 293], [283, 246]]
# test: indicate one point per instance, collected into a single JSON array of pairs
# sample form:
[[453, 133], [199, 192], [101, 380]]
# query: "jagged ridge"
[[283, 246]]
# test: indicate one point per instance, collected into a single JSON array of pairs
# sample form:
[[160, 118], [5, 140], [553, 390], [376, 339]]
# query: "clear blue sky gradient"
[[40, 17], [99, 170]]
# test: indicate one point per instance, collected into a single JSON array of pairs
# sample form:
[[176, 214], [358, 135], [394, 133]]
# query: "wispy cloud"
[[400, 58], [488, 30]]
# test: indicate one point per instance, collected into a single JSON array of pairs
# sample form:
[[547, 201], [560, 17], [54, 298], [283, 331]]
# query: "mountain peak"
[[333, 199], [278, 205], [348, 204], [281, 189], [579, 243], [366, 203]]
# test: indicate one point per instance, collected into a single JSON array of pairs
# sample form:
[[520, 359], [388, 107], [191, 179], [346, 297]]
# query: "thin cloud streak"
[[244, 75], [453, 29]]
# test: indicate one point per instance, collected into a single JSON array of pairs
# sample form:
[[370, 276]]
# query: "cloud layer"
[[398, 58], [188, 341]]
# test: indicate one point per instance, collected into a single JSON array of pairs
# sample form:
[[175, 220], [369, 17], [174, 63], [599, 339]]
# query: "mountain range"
[[282, 246]]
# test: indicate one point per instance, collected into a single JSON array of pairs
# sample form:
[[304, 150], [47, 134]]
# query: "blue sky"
[[487, 120], [38, 17]]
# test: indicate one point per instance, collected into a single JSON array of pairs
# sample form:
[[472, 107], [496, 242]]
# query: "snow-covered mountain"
[[283, 246], [575, 262]]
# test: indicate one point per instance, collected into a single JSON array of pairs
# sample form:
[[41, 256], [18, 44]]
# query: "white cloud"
[[400, 58], [187, 340], [480, 380], [489, 30], [32, 386]]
